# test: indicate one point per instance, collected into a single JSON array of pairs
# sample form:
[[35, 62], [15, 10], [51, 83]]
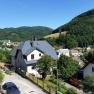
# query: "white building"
[[7, 43], [65, 52], [74, 53]]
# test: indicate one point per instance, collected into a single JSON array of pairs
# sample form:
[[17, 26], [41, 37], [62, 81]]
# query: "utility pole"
[[57, 77]]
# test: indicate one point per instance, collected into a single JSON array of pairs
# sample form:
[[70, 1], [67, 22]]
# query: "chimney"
[[31, 43]]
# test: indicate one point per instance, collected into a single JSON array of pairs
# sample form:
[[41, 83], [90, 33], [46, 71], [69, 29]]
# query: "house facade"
[[28, 53], [35, 55], [65, 52], [74, 53], [88, 70]]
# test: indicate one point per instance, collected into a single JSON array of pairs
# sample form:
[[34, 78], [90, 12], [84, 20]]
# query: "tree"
[[67, 66], [45, 63], [1, 78], [5, 56], [71, 91], [89, 57], [88, 84], [71, 42], [52, 41]]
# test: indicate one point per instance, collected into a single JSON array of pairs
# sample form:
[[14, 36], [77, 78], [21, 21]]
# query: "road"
[[24, 85]]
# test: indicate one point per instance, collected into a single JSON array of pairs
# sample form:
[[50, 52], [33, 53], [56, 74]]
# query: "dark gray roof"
[[28, 46], [30, 62], [29, 51], [20, 45], [45, 47], [13, 52]]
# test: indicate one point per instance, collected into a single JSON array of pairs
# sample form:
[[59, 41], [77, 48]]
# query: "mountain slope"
[[80, 31], [84, 21], [24, 33]]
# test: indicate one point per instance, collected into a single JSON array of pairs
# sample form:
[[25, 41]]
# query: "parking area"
[[24, 85]]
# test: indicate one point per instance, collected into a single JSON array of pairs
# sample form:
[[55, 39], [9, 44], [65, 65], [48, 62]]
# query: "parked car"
[[11, 88]]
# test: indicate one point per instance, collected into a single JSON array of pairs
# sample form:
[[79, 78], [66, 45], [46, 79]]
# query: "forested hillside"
[[24, 33], [80, 31]]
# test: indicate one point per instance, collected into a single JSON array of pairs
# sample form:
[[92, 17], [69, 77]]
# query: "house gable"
[[34, 55], [88, 70]]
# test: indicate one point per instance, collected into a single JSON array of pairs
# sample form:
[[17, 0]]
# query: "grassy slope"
[[55, 35]]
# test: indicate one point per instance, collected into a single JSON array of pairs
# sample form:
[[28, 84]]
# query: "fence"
[[44, 84]]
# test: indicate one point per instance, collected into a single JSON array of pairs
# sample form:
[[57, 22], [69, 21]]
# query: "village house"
[[65, 52], [28, 53], [88, 70], [7, 43], [74, 53]]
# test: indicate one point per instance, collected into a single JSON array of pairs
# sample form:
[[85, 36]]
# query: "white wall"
[[33, 72], [29, 69], [64, 52], [88, 71], [36, 55]]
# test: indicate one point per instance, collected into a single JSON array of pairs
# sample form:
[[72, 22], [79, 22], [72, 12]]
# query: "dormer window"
[[32, 56]]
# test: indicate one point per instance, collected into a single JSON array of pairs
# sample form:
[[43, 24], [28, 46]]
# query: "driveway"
[[24, 85]]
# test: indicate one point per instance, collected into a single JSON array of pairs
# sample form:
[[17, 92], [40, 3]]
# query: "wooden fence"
[[44, 84]]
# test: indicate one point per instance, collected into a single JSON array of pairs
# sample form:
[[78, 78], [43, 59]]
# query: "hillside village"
[[59, 61], [27, 59]]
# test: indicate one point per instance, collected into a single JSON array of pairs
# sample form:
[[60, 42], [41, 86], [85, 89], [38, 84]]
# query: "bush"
[[8, 72], [63, 89], [5, 56], [71, 91], [1, 77]]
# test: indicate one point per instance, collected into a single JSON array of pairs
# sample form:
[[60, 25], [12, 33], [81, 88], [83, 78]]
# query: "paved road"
[[25, 86]]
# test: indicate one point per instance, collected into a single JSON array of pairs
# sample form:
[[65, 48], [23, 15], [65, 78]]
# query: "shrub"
[[71, 91], [1, 77]]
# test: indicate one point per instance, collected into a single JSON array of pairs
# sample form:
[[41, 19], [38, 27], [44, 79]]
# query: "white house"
[[88, 70], [34, 72], [34, 55], [74, 53], [28, 53], [88, 49], [65, 52], [7, 43]]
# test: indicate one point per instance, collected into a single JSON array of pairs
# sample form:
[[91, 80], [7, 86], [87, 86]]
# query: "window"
[[57, 53], [32, 56], [92, 69], [40, 54]]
